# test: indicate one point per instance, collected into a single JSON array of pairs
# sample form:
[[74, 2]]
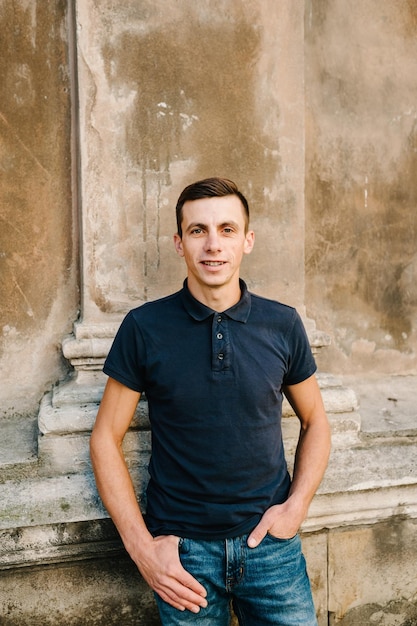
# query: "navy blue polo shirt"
[[214, 387]]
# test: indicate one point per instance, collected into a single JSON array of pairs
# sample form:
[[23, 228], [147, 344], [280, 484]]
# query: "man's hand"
[[281, 520], [160, 566]]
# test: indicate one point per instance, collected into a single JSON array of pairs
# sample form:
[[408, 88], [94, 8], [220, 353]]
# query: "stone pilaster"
[[127, 194]]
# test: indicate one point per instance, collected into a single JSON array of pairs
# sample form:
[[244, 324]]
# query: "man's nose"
[[213, 240]]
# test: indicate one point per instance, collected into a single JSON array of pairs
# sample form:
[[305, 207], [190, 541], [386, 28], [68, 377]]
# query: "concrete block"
[[315, 552], [398, 613], [374, 564], [92, 592], [72, 408], [69, 454], [387, 404], [40, 501], [57, 542]]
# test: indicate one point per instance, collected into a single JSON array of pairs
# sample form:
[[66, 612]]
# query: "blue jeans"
[[267, 585]]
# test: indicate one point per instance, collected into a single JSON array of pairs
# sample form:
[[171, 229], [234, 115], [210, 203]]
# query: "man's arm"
[[157, 558], [311, 458]]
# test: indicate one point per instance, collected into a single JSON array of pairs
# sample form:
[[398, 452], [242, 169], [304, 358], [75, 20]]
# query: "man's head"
[[210, 188], [212, 237]]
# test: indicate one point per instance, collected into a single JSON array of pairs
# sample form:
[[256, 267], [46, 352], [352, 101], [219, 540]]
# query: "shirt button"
[[220, 356], [219, 336], [219, 319]]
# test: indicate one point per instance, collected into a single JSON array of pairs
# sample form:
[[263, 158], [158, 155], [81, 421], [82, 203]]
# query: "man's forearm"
[[157, 558], [311, 460], [116, 490], [314, 443]]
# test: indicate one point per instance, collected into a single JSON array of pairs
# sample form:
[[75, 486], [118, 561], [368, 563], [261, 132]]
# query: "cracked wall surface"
[[361, 182], [173, 93], [37, 246], [310, 106]]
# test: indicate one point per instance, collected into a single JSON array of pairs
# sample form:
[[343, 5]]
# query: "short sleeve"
[[301, 363], [126, 359]]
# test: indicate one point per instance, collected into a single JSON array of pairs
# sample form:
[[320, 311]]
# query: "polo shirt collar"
[[199, 311]]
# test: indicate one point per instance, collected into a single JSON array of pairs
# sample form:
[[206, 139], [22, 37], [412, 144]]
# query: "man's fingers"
[[191, 583], [182, 590], [164, 572], [257, 535], [181, 596]]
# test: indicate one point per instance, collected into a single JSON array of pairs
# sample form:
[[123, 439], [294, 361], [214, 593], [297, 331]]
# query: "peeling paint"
[[361, 189], [37, 254], [181, 112]]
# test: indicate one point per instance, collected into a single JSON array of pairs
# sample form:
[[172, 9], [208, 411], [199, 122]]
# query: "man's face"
[[213, 241]]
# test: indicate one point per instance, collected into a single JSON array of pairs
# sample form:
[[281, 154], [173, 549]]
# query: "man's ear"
[[249, 242], [178, 244]]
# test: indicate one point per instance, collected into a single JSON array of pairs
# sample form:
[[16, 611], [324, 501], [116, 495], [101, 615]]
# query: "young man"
[[222, 513]]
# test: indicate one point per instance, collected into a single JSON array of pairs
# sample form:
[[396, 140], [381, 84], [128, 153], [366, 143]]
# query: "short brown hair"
[[209, 188]]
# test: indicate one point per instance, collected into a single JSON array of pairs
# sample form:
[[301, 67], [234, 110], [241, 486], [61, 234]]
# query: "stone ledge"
[[67, 415], [387, 404], [364, 506], [366, 481], [349, 495], [58, 543], [44, 531]]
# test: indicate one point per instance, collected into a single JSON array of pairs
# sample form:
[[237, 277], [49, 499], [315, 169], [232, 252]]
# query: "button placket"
[[219, 341]]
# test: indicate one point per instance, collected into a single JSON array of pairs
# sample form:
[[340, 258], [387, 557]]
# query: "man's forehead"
[[223, 208]]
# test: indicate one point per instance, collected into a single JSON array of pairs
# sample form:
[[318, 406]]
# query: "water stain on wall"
[[361, 189], [195, 97], [36, 247], [367, 247], [191, 82], [35, 209]]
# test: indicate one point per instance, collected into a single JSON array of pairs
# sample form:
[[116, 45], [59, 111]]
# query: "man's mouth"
[[213, 263]]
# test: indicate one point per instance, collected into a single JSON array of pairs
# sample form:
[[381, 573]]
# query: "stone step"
[[387, 404], [18, 441], [18, 447], [363, 484]]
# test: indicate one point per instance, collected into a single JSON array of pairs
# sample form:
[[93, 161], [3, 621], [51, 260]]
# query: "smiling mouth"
[[213, 263]]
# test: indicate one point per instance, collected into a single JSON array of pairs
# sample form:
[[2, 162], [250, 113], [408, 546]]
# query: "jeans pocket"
[[183, 546], [280, 539]]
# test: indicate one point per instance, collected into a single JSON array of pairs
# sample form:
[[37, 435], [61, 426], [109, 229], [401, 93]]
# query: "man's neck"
[[217, 298]]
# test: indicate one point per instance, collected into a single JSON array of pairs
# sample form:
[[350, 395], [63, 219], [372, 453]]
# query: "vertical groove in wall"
[[75, 144], [328, 578]]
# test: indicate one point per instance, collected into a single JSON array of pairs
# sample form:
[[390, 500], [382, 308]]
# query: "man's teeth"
[[213, 263]]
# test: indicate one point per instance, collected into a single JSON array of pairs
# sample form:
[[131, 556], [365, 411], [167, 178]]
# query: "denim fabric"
[[268, 585]]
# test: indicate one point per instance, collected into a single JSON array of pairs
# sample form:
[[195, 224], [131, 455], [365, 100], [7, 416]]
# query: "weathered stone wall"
[[172, 92], [371, 579], [361, 181], [38, 241], [310, 107]]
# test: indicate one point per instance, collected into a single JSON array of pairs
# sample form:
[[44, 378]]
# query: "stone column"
[[167, 94]]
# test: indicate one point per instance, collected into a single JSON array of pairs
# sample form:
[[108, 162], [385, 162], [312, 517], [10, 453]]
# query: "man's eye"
[[196, 231]]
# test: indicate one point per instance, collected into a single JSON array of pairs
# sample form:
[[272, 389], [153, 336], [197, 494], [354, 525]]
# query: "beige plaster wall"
[[371, 568], [361, 181], [38, 255], [173, 92], [169, 92]]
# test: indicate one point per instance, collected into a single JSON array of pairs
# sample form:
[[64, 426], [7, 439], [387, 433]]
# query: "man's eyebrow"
[[230, 223], [196, 225]]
